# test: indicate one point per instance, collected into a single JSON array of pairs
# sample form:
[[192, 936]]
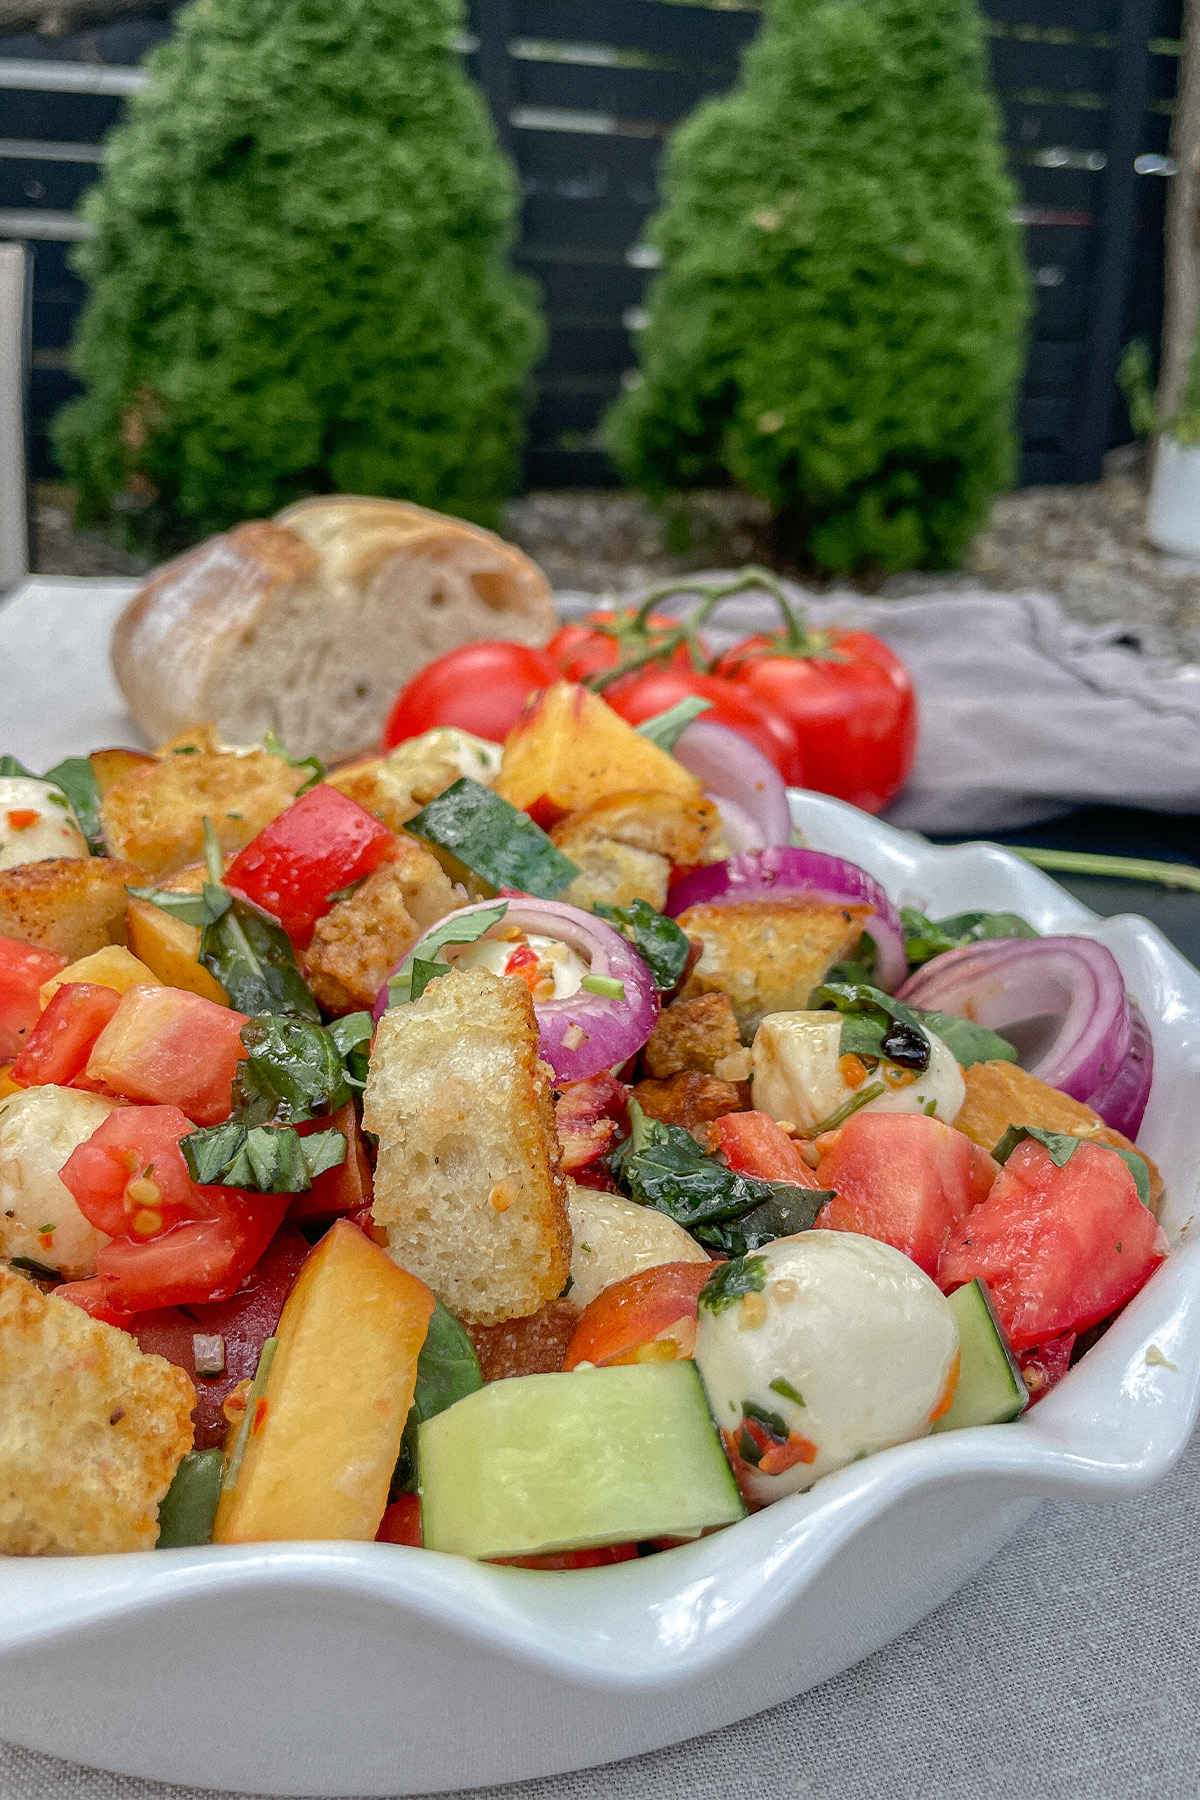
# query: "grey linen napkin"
[[1024, 713]]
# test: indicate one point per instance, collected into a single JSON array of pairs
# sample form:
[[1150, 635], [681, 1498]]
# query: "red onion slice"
[[1068, 987], [731, 768], [585, 1033], [785, 872]]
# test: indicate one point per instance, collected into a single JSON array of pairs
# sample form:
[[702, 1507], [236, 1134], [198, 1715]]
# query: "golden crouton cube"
[[91, 1431], [693, 1034], [1000, 1094], [356, 946], [768, 956], [624, 845], [154, 814], [71, 904], [469, 1182]]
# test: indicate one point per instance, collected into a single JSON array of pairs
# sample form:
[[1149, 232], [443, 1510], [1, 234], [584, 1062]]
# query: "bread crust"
[[309, 624]]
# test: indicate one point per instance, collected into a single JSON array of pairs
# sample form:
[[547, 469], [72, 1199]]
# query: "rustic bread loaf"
[[310, 623]]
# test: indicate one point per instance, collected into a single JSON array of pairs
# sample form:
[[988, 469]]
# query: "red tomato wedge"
[[319, 845], [23, 969], [853, 711], [480, 688], [600, 1557], [902, 1178], [244, 1322], [172, 1049], [129, 1178], [1060, 1249], [202, 1259], [648, 1317], [753, 1144], [401, 1523], [345, 1189], [58, 1047], [93, 1297]]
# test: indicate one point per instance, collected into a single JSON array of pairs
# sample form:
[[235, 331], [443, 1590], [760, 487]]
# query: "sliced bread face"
[[469, 1180], [310, 624]]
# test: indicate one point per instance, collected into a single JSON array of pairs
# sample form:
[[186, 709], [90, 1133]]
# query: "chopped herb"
[[265, 1358], [873, 1024], [782, 1386], [662, 944], [926, 938], [264, 1159], [473, 832], [293, 1070], [770, 1421], [1061, 1147], [352, 1035], [250, 955], [930, 1108], [45, 1230], [605, 986], [731, 1281], [447, 1370], [665, 727], [459, 928], [36, 1268], [856, 1102], [314, 765], [185, 750]]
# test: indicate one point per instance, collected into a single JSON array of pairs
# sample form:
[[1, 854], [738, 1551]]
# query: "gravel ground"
[[1084, 544]]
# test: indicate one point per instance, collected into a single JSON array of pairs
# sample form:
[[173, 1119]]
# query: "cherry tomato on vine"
[[642, 696], [580, 650], [480, 688], [852, 709]]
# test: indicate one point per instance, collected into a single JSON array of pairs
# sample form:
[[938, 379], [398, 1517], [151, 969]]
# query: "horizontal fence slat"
[[699, 33], [637, 94], [56, 185]]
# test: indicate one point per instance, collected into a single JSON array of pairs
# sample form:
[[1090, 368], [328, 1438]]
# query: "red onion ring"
[[1097, 1054], [585, 1033], [785, 872], [731, 768]]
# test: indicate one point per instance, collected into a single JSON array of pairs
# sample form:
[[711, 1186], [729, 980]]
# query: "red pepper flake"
[[22, 817], [260, 1417]]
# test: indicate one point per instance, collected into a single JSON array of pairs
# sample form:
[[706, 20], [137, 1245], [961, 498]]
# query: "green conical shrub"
[[298, 275], [839, 321]]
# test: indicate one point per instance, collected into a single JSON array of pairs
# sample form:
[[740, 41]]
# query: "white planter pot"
[[1173, 515]]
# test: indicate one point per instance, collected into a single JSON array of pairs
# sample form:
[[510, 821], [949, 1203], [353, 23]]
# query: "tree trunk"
[[1183, 224]]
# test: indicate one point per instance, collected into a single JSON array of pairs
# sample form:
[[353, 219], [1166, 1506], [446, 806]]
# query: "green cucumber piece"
[[473, 832], [990, 1389], [189, 1506], [566, 1462]]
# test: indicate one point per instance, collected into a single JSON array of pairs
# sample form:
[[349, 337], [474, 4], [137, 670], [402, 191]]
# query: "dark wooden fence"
[[584, 97]]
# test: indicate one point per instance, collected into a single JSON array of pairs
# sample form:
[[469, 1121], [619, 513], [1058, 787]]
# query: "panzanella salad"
[[524, 1152]]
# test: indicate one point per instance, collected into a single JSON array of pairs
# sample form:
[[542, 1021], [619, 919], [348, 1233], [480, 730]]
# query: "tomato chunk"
[[1060, 1249], [23, 969], [401, 1523], [753, 1144], [647, 1317], [599, 1557], [348, 1187], [59, 1045], [92, 1297], [322, 843], [201, 1259], [902, 1178], [129, 1178], [172, 1048]]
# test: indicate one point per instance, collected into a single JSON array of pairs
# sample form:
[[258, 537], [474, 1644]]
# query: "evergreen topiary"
[[298, 275], [839, 322]]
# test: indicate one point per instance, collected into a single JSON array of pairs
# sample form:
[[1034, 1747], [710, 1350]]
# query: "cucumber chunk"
[[187, 1509], [473, 832], [567, 1462], [990, 1389]]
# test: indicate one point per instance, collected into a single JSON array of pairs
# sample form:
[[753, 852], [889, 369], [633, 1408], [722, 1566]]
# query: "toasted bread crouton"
[[469, 1180], [1000, 1094], [624, 845], [691, 1099], [355, 947], [71, 904], [395, 787], [154, 814], [693, 1034], [615, 875], [91, 1431], [532, 1346], [768, 956]]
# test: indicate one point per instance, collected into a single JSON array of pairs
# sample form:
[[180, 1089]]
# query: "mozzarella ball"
[[38, 1131], [796, 1074], [841, 1347], [614, 1237], [50, 831]]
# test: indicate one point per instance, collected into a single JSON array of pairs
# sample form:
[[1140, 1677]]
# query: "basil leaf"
[[926, 938], [665, 727], [292, 1072], [793, 1209], [252, 958], [901, 1038], [314, 765], [660, 942], [200, 909], [464, 928], [1137, 1167], [9, 766], [447, 1370], [76, 778], [351, 1030], [967, 1042], [264, 1159], [732, 1281], [1061, 1147]]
